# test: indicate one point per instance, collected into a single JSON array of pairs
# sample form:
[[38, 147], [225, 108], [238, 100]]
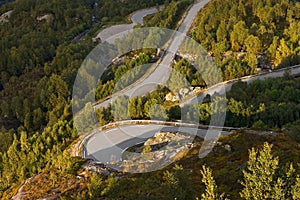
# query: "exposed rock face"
[[47, 17], [25, 193], [74, 183], [166, 137], [5, 16], [182, 93], [171, 97], [228, 148], [21, 193], [162, 148], [97, 167]]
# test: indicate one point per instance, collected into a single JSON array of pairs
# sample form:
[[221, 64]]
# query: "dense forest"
[[267, 104], [244, 35], [221, 175], [39, 62], [41, 53], [168, 17], [34, 50]]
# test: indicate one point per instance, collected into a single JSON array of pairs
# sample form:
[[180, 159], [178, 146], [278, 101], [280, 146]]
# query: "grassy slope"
[[227, 169]]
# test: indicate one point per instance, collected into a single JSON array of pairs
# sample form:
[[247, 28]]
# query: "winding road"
[[106, 145], [162, 71], [219, 88], [136, 18]]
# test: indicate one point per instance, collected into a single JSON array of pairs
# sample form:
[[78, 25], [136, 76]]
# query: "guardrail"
[[128, 122], [144, 122], [245, 78]]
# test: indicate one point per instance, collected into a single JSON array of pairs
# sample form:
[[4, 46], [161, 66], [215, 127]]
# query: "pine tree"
[[296, 190], [211, 187], [259, 179], [175, 183], [96, 186]]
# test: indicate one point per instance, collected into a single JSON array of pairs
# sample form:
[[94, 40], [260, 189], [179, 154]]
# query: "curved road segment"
[[219, 88], [108, 145], [162, 71], [136, 18]]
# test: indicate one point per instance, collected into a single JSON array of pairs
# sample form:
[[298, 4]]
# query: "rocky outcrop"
[[166, 137], [227, 147], [5, 16], [48, 18], [99, 168], [182, 93], [171, 97], [21, 193], [165, 147]]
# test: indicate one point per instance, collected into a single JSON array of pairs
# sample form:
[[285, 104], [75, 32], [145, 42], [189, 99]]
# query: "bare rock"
[[228, 148]]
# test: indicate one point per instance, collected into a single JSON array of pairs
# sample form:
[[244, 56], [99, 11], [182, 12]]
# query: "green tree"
[[96, 186], [25, 146], [283, 51], [174, 113], [252, 61], [260, 125], [210, 185], [120, 108], [5, 108], [253, 44], [273, 48], [296, 190], [57, 92], [157, 112], [260, 180], [238, 35], [175, 183], [135, 107], [221, 31]]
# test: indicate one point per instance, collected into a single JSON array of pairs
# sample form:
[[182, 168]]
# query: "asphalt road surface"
[[219, 88], [108, 145], [136, 18], [162, 71]]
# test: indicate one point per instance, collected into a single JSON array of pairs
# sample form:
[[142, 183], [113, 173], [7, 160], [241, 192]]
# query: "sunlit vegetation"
[[220, 175], [134, 108], [243, 35], [119, 77], [39, 62], [169, 17], [261, 105]]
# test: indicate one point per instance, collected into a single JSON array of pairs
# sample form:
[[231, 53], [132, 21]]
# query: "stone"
[[228, 148], [171, 97]]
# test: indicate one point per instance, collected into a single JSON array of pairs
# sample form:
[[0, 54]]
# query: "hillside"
[[42, 46], [226, 164], [245, 35]]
